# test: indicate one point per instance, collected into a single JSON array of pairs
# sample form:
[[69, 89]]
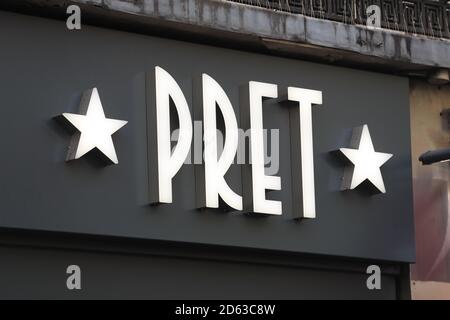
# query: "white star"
[[366, 161], [95, 129]]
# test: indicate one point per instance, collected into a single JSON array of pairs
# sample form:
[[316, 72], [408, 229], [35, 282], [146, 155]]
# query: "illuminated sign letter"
[[255, 182], [301, 126], [165, 163], [211, 182]]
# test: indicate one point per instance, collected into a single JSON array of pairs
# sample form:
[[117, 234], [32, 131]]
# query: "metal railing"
[[426, 17]]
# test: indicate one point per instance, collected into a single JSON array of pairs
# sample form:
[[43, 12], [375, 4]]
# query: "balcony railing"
[[426, 17]]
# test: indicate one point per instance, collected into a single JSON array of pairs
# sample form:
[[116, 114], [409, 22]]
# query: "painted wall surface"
[[44, 77], [36, 269], [430, 131]]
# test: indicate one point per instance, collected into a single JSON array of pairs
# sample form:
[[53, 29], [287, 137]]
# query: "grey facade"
[[57, 213]]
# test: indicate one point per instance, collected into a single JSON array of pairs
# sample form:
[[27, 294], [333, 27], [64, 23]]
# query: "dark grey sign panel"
[[47, 76]]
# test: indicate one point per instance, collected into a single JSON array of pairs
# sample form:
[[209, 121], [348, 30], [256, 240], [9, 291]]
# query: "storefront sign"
[[212, 182], [96, 130], [151, 98]]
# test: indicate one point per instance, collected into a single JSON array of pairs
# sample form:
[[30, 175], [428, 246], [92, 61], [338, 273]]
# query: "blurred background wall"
[[430, 130]]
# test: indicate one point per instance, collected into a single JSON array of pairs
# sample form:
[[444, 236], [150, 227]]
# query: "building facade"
[[334, 194]]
